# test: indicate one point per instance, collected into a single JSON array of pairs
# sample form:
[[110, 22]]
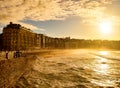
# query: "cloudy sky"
[[62, 18]]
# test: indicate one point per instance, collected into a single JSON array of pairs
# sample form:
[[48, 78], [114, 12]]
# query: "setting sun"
[[106, 27]]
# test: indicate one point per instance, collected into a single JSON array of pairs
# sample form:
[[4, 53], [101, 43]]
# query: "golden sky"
[[88, 19]]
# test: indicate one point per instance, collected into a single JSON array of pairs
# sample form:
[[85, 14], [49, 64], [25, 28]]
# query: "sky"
[[81, 19]]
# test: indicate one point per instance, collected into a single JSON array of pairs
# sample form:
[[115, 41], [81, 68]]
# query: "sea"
[[78, 68]]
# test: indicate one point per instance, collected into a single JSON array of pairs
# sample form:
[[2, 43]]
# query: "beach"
[[73, 69]]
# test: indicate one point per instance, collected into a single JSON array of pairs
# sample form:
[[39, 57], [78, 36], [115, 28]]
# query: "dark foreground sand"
[[12, 69]]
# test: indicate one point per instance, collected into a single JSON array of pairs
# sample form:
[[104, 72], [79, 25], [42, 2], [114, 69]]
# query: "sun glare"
[[103, 53], [106, 27]]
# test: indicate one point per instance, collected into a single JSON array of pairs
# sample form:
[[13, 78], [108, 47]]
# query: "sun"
[[105, 27]]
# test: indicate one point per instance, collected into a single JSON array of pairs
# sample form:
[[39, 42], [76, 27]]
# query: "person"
[[6, 55], [18, 54]]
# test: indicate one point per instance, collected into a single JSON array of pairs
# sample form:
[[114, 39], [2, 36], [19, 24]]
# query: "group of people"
[[15, 54]]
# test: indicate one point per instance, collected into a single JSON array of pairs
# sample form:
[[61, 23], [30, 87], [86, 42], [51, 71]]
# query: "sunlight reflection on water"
[[103, 53], [102, 68], [101, 65]]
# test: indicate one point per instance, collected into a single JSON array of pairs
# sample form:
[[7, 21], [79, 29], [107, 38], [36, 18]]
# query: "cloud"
[[30, 26], [42, 10], [1, 29]]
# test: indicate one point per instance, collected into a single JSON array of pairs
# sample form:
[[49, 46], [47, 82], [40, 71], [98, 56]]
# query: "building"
[[17, 37], [39, 40]]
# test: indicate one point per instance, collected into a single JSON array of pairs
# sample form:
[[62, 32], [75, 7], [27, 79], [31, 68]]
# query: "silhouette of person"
[[6, 55]]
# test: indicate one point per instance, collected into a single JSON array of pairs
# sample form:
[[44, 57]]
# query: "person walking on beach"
[[6, 55]]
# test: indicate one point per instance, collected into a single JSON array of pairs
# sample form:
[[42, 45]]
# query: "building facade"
[[16, 37]]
